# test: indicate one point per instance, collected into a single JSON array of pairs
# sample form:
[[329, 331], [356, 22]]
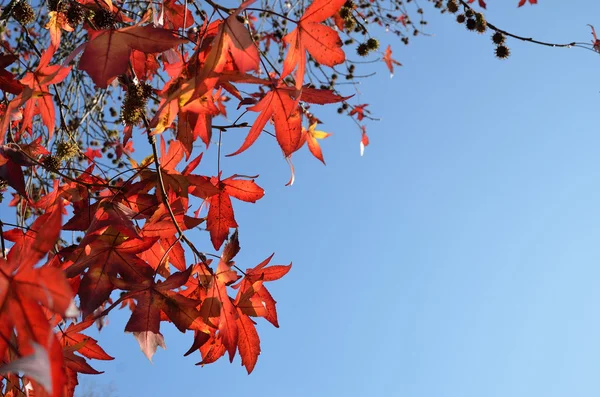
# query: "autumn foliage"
[[92, 228]]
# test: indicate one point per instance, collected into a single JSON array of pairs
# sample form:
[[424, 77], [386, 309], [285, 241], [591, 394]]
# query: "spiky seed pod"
[[134, 104], [452, 6], [103, 19], [469, 13], [75, 14], [58, 5], [51, 163], [481, 26], [131, 115], [345, 13], [471, 24], [373, 44], [350, 24], [66, 150], [362, 49], [23, 13], [461, 18], [502, 52], [498, 38], [147, 90]]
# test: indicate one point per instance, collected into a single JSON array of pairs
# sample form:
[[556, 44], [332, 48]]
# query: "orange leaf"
[[57, 23], [283, 108], [220, 213], [231, 37], [248, 342], [387, 58], [321, 42]]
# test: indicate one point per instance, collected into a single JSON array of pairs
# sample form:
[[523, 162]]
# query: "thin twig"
[[514, 36], [163, 192], [2, 247]]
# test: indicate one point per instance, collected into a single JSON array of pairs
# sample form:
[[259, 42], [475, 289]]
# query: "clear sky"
[[458, 257]]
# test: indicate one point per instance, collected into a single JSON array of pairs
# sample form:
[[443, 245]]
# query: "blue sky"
[[458, 257]]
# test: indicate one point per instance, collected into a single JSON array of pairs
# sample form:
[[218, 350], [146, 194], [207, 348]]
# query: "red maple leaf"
[[104, 258], [91, 154], [35, 95], [281, 105], [359, 111], [321, 42], [220, 213], [154, 299], [12, 158], [107, 53], [522, 2], [233, 328], [233, 41], [253, 298], [402, 19], [24, 289], [7, 80], [595, 42], [481, 3], [389, 61], [176, 15], [73, 341]]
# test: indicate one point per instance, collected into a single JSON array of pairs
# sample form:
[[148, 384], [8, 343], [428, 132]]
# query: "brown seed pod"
[[502, 51], [75, 14], [471, 24], [103, 19], [452, 6], [498, 38], [481, 24], [362, 49], [23, 13], [345, 13], [373, 44], [51, 163]]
